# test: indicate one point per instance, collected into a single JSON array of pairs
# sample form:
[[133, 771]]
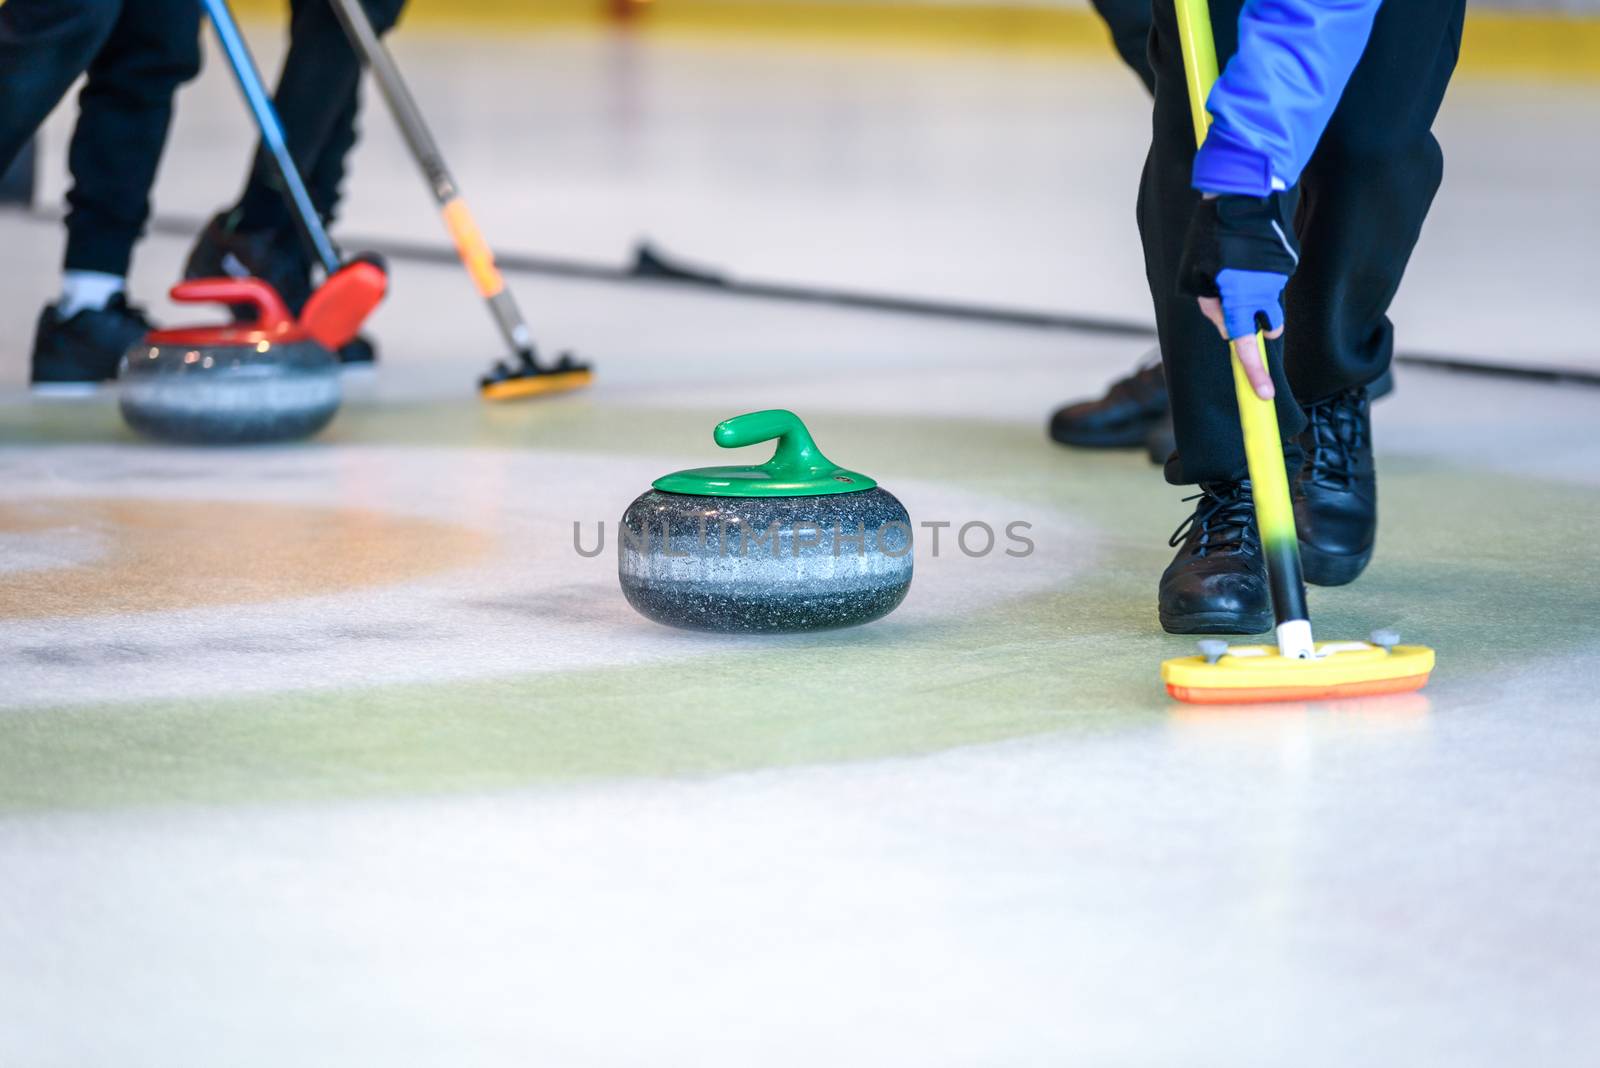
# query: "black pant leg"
[[44, 46], [1129, 23], [316, 99], [1364, 197], [327, 174], [124, 111], [1205, 415], [326, 179]]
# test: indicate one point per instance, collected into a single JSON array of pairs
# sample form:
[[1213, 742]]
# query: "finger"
[[1211, 308], [1274, 319], [1254, 369]]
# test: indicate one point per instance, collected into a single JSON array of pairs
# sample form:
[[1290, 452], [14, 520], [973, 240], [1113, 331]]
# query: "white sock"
[[87, 291]]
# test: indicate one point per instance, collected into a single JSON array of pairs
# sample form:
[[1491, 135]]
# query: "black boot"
[[1217, 584], [1336, 494], [222, 251], [1122, 418], [86, 348]]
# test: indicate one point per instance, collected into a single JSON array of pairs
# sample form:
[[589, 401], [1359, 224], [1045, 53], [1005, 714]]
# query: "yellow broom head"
[[521, 387], [1244, 674]]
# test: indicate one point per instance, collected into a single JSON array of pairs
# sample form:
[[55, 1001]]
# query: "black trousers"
[[1361, 204], [317, 98], [1129, 23], [136, 53]]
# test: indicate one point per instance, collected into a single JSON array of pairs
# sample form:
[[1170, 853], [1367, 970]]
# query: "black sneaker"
[[221, 251], [85, 349], [1336, 493], [1122, 418], [1217, 584]]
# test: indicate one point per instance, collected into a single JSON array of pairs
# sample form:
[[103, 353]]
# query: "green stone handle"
[[797, 467], [797, 456]]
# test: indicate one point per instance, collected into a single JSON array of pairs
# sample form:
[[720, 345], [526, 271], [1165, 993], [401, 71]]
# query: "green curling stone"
[[795, 544]]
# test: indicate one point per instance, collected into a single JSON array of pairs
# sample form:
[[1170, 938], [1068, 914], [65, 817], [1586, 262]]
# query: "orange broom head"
[[1248, 674], [521, 387]]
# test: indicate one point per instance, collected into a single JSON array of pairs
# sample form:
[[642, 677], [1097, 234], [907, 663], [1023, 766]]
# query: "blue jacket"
[[1275, 96]]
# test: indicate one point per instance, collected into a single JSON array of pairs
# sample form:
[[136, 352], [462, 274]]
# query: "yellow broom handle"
[[1199, 61], [1258, 419]]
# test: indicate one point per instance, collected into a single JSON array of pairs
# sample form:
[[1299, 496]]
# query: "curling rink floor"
[[340, 753]]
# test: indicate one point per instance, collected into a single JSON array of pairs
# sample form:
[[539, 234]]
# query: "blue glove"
[[1251, 300], [1241, 249]]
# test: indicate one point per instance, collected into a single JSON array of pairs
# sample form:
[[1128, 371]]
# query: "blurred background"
[[968, 151]]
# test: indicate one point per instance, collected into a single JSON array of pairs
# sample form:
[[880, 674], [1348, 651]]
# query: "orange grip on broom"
[[475, 253]]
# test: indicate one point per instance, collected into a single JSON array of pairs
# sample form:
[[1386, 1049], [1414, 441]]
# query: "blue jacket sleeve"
[[1275, 96]]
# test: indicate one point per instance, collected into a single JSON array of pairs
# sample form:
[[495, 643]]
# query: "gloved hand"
[[1237, 258]]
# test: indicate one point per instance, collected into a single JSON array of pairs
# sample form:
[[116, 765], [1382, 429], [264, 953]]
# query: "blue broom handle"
[[266, 116]]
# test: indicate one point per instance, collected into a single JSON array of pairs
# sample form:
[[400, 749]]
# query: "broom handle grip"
[[1258, 419]]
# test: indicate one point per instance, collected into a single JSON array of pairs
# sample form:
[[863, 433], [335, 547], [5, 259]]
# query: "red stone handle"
[[271, 313]]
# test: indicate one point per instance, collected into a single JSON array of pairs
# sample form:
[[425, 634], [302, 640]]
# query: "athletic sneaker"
[[86, 348], [1217, 584], [1336, 493]]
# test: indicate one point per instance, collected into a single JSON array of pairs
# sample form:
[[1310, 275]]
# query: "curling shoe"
[[1123, 418], [1336, 493], [84, 350], [223, 251], [1217, 584]]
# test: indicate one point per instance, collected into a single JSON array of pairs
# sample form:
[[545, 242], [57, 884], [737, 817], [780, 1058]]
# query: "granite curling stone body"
[[794, 544], [261, 381]]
